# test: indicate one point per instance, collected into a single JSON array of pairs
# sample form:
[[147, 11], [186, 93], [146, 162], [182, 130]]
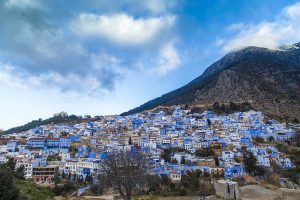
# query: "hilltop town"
[[176, 142]]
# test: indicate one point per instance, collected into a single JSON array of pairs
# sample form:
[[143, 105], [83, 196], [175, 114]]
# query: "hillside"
[[268, 79], [71, 119], [30, 190]]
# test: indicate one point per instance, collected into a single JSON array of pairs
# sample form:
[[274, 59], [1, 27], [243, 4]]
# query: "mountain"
[[267, 79]]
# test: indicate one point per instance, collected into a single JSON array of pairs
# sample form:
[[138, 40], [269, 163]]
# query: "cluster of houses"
[[77, 150]]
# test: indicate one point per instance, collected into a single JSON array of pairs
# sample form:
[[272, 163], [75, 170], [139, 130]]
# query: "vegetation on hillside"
[[8, 189], [293, 153], [251, 166], [51, 120], [13, 185], [193, 183], [30, 190], [205, 152], [231, 107]]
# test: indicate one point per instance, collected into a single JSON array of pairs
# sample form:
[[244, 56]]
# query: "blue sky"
[[105, 57]]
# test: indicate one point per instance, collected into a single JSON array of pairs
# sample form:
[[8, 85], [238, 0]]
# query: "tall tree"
[[182, 161], [11, 164], [297, 137], [8, 190], [130, 141], [249, 161], [251, 166], [208, 122], [125, 171], [216, 106], [20, 172]]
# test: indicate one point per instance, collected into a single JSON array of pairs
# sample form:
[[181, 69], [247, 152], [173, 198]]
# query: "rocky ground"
[[249, 192], [257, 192]]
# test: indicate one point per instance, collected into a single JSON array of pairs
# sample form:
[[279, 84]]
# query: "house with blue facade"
[[12, 145], [83, 151], [235, 170]]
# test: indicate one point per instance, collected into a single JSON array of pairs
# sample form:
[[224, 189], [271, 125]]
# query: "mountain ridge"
[[270, 79]]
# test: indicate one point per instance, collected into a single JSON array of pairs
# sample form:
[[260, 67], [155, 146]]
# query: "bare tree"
[[125, 171]]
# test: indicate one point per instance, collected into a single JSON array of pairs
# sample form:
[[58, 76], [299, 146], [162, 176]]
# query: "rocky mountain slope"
[[268, 79]]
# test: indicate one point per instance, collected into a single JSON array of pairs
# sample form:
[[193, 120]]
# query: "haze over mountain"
[[268, 79]]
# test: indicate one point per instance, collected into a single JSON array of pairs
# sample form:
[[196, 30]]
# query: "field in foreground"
[[254, 192], [250, 192], [31, 191]]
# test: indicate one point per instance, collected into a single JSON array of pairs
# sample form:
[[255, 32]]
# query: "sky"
[[103, 57]]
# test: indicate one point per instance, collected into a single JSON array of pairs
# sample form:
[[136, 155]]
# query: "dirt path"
[[255, 192]]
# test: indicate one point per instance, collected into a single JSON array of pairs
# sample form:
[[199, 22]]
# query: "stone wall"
[[227, 189]]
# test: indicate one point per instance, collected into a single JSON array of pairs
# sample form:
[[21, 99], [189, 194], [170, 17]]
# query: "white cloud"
[[122, 28], [8, 78], [100, 80], [45, 55], [44, 51], [271, 34], [293, 11], [168, 60]]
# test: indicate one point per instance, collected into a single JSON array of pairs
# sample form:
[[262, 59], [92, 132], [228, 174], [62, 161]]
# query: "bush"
[[97, 189], [165, 180], [182, 192], [240, 180], [64, 189], [283, 148], [259, 139], [205, 152], [272, 178], [206, 189], [153, 182]]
